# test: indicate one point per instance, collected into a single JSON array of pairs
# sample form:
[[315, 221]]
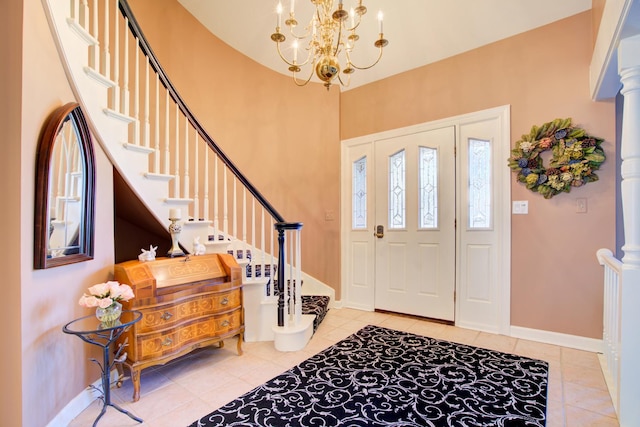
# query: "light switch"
[[520, 207], [581, 205]]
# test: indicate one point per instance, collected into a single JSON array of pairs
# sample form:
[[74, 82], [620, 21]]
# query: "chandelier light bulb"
[[279, 12]]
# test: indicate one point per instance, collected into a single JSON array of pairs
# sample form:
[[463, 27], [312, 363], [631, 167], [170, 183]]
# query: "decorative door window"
[[479, 186], [359, 196], [397, 191], [428, 188]]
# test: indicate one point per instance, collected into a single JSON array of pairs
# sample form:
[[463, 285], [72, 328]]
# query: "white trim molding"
[[556, 338]]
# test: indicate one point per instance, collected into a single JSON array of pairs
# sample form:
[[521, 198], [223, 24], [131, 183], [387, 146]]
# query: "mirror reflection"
[[65, 195], [64, 190]]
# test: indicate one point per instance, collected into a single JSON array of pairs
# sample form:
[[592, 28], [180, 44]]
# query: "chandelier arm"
[[294, 35], [355, 27], [304, 83], [281, 55], [367, 67], [343, 83], [291, 64], [338, 40]]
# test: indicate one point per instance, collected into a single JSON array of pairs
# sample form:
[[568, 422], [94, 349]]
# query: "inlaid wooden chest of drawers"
[[186, 303]]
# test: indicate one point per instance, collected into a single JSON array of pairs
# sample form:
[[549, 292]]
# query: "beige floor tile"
[[372, 317], [592, 399], [586, 377], [221, 395], [555, 413], [538, 350], [580, 358], [457, 335], [183, 415], [495, 342], [399, 322], [204, 380], [111, 418], [426, 328], [161, 402], [578, 417], [150, 380]]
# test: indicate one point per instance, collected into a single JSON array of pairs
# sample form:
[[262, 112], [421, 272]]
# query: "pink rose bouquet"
[[104, 294]]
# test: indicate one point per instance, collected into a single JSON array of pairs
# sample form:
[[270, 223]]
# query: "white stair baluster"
[[245, 246], [116, 59], [206, 209], [147, 95], [167, 152], [235, 216], [216, 192], [176, 152], [156, 129], [225, 202], [136, 95], [95, 48], [106, 56], [124, 98], [196, 186], [185, 184]]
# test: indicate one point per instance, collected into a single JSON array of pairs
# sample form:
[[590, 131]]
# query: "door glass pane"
[[479, 209], [359, 197], [397, 190], [428, 188]]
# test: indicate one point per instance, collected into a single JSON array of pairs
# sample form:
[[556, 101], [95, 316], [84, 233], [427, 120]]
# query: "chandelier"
[[329, 40]]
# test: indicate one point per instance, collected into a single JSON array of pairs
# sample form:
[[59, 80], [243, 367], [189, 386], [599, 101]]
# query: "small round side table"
[[90, 330]]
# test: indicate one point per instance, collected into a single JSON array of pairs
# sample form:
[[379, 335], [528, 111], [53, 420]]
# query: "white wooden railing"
[[221, 207], [611, 322]]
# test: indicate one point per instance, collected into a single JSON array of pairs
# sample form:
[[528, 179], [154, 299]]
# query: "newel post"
[[281, 228], [629, 71]]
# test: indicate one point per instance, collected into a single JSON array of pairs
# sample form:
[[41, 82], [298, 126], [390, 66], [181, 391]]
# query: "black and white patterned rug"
[[383, 377]]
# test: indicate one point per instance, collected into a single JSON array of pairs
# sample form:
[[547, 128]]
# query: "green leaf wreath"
[[576, 155]]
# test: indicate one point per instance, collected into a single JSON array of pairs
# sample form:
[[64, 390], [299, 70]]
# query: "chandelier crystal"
[[328, 39]]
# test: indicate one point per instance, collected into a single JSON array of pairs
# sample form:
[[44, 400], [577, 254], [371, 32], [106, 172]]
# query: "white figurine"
[[148, 255], [198, 248]]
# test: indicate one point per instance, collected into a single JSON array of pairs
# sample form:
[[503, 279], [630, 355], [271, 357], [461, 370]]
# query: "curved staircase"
[[170, 162]]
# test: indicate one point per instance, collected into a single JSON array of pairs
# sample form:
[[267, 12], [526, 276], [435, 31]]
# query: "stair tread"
[[315, 304]]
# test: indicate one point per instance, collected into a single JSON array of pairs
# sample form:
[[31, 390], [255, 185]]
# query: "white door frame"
[[502, 200]]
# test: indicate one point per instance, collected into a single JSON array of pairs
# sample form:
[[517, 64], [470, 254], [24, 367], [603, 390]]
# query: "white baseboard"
[[556, 338], [80, 402]]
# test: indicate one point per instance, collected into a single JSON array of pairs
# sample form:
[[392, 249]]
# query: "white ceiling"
[[419, 31]]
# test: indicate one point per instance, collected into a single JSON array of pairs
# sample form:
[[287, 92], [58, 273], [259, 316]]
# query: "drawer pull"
[[224, 301], [166, 315], [225, 323], [167, 342]]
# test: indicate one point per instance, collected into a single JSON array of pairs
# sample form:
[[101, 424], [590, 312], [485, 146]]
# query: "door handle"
[[379, 233]]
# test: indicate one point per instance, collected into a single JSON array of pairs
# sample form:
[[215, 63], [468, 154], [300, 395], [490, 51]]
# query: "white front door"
[[409, 182], [415, 224]]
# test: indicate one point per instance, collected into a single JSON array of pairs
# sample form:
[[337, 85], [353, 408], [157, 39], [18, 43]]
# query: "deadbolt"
[[379, 232]]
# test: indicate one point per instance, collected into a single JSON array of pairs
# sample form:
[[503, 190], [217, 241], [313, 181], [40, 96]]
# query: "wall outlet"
[[520, 207]]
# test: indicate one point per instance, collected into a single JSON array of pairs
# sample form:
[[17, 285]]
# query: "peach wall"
[[285, 139], [55, 366], [10, 113], [543, 74]]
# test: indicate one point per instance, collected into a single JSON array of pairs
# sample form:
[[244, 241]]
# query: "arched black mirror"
[[65, 185]]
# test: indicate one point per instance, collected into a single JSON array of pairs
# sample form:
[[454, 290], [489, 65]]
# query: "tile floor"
[[182, 391]]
